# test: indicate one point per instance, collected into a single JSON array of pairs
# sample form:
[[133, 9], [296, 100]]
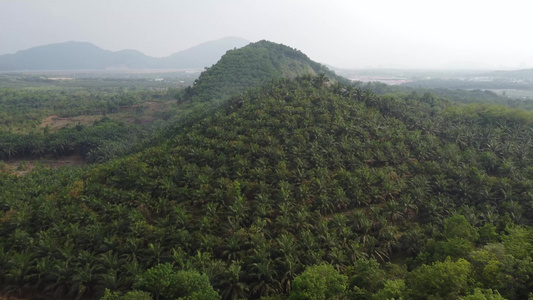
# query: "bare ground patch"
[[21, 167], [128, 115]]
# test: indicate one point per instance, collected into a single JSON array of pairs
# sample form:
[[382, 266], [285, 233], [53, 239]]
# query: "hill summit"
[[253, 66]]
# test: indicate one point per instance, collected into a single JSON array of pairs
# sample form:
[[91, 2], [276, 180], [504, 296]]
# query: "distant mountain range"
[[86, 56]]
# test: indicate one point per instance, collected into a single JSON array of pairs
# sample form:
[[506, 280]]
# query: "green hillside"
[[292, 183], [252, 66]]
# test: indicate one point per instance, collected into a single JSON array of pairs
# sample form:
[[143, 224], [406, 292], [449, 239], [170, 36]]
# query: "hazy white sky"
[[342, 33]]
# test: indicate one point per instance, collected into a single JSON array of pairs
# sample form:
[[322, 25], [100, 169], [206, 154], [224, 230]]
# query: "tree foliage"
[[318, 283], [252, 66], [252, 192]]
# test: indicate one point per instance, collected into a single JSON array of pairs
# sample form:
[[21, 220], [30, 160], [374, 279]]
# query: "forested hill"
[[253, 66], [522, 75], [289, 184]]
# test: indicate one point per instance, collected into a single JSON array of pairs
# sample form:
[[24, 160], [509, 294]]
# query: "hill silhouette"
[[86, 56], [203, 55], [523, 74], [253, 66]]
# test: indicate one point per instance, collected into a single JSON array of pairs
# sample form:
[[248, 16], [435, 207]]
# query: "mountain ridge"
[[73, 55]]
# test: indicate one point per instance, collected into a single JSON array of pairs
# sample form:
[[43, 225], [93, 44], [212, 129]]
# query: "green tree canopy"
[[318, 282], [165, 283], [441, 280]]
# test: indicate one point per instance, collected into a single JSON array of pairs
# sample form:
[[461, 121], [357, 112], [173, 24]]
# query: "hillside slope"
[[283, 177], [252, 66]]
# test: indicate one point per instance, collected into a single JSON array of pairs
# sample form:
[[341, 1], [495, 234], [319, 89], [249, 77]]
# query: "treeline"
[[98, 81], [491, 83], [451, 94]]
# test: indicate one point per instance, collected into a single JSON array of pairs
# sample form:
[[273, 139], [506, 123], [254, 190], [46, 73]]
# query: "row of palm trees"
[[291, 175]]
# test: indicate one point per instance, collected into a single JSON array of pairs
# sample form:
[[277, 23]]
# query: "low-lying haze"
[[343, 33]]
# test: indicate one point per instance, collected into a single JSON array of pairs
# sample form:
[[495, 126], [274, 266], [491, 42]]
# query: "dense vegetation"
[[252, 66], [302, 189], [97, 119], [475, 96], [278, 181], [493, 83]]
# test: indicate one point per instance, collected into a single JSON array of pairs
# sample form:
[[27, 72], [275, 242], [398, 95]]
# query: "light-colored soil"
[[23, 167], [56, 123], [126, 115]]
